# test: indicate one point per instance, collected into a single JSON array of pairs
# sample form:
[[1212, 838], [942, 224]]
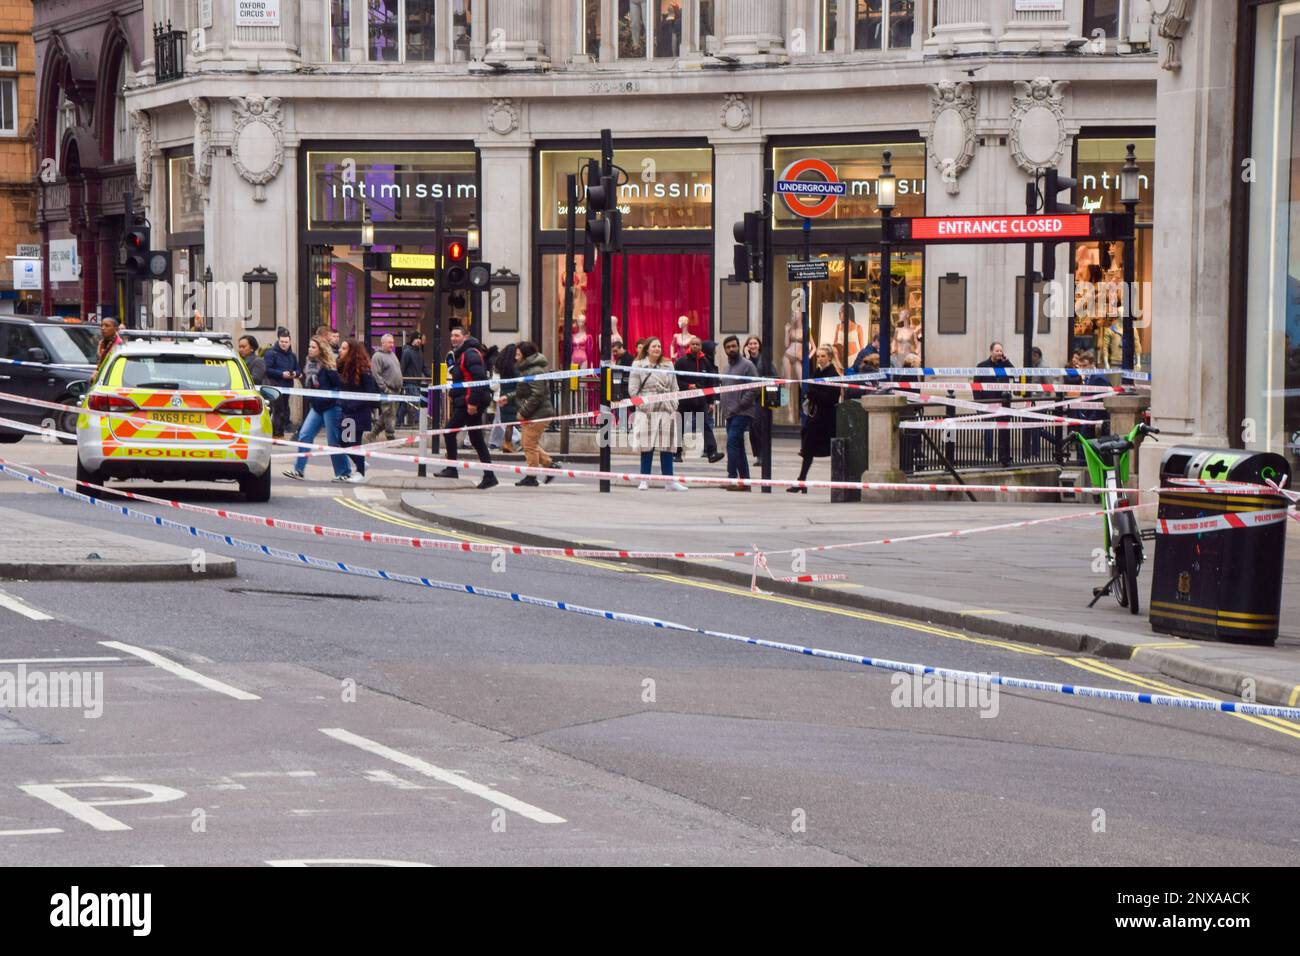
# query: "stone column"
[[961, 26], [752, 31], [1194, 175], [884, 412], [737, 189], [515, 35], [1034, 30], [506, 187]]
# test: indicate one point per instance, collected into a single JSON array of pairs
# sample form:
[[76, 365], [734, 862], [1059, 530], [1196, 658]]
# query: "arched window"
[[123, 129], [65, 118]]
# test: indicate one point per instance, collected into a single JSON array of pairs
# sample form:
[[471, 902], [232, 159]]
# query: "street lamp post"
[[1128, 186], [886, 198]]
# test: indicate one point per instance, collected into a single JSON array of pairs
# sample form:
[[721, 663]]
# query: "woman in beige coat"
[[655, 426]]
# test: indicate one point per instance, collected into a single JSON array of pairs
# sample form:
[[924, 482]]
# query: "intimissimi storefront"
[[665, 271], [398, 185]]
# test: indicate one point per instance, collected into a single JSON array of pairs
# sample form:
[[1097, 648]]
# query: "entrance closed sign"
[[1004, 228], [257, 13]]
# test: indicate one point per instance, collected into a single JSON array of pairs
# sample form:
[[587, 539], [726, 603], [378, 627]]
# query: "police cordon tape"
[[626, 477], [77, 365], [1233, 520], [1048, 387], [1019, 683], [437, 544]]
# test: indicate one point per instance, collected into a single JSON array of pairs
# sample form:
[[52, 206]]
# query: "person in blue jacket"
[[358, 377], [281, 370]]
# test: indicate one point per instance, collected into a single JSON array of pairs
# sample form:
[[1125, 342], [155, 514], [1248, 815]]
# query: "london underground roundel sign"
[[811, 197]]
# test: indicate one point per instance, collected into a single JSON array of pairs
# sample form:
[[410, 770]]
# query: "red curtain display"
[[659, 288]]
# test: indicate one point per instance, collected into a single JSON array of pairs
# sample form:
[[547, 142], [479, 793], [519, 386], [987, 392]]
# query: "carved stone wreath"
[[202, 145], [736, 113], [952, 130], [145, 149], [503, 117], [258, 150], [1172, 18], [1038, 135]]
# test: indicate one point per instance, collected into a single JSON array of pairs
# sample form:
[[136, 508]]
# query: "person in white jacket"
[[655, 426]]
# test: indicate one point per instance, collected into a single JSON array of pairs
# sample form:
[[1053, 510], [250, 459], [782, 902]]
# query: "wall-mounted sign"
[[812, 197], [399, 187], [63, 260], [27, 274], [257, 13], [814, 270], [1040, 6], [663, 189], [857, 167], [419, 281], [1001, 228], [418, 261], [28, 250]]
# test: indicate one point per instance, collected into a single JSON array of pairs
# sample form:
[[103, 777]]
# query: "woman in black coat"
[[819, 411], [354, 370]]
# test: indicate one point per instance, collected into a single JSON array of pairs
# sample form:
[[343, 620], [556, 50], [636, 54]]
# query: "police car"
[[193, 409]]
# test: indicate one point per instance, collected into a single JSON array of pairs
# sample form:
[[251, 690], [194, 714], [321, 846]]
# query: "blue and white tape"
[[1071, 690], [76, 365]]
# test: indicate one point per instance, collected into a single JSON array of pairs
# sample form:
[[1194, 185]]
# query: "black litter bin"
[[849, 449], [1218, 562]]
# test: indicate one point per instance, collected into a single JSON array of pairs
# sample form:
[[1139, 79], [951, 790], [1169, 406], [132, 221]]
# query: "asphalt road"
[[394, 722]]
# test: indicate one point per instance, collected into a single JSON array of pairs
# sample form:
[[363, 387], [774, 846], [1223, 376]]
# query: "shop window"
[[340, 27], [1101, 15], [590, 27], [633, 28], [1272, 335], [403, 30], [883, 24], [651, 292], [706, 19], [668, 29], [665, 188], [649, 28], [830, 13], [401, 188], [462, 29], [858, 166], [184, 207]]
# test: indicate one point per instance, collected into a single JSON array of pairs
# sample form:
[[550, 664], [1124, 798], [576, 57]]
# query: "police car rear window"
[[181, 372]]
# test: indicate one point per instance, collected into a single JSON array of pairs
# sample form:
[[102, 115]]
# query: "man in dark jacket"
[[997, 359], [694, 411], [738, 410], [414, 372], [465, 365], [281, 370]]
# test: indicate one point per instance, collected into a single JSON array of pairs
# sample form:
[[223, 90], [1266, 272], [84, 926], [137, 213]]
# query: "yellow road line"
[[1101, 667], [737, 591], [1094, 666]]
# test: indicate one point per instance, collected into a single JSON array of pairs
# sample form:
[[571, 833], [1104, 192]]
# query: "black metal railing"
[[168, 53], [936, 449]]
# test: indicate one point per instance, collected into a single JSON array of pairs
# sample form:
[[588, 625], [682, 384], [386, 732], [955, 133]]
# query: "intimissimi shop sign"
[[400, 188]]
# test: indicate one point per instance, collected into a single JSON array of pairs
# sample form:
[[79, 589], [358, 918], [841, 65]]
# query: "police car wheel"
[[93, 477], [257, 489]]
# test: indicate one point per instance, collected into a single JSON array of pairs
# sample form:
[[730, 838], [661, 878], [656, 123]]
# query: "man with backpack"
[[465, 366]]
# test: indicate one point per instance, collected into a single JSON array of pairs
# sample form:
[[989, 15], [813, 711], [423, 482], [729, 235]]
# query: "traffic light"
[[454, 271], [748, 253], [133, 255], [479, 276], [604, 219], [1054, 184]]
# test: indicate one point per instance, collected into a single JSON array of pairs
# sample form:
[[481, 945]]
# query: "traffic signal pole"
[[128, 281], [1027, 296], [566, 336], [435, 397], [769, 189], [606, 306]]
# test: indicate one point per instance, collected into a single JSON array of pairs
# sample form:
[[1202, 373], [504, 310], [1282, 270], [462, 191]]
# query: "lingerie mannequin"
[[614, 337], [583, 354], [681, 343]]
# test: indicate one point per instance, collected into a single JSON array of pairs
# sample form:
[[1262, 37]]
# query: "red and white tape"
[[1234, 520]]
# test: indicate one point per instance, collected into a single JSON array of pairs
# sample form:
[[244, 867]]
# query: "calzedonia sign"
[[1000, 228]]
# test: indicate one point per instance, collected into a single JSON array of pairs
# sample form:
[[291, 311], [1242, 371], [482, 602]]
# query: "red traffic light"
[[456, 250]]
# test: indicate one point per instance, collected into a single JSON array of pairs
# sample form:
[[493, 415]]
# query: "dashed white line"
[[180, 670], [58, 660], [39, 830], [18, 607], [503, 800], [275, 773]]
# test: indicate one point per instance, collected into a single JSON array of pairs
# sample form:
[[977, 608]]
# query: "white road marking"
[[370, 494], [5, 833], [321, 492], [180, 670], [17, 606], [344, 861], [506, 801], [56, 795], [276, 773], [58, 660], [383, 776]]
